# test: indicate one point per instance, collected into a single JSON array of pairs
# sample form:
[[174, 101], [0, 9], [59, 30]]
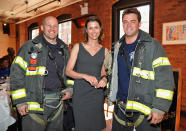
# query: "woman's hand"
[[102, 83], [91, 79]]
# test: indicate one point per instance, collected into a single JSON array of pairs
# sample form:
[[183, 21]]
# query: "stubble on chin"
[[50, 38]]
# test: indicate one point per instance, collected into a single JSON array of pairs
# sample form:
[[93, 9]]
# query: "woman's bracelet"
[[104, 76]]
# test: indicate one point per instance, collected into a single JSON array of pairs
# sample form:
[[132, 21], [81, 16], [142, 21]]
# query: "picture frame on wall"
[[174, 33]]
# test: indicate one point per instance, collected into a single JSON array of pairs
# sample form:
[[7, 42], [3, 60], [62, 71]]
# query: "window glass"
[[35, 32], [65, 32]]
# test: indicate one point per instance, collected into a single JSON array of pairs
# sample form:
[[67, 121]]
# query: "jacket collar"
[[39, 39], [144, 37]]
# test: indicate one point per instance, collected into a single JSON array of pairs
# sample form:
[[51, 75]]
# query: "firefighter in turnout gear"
[[38, 84], [142, 79]]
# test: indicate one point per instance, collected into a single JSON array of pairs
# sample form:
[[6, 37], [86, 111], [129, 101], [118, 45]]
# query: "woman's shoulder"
[[106, 50], [76, 47], [78, 44]]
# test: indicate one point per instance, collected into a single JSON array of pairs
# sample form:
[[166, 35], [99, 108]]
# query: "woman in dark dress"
[[86, 67]]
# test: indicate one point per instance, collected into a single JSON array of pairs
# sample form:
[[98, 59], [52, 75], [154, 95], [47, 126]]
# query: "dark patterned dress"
[[87, 100]]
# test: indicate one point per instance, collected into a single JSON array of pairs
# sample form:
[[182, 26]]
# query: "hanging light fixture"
[[59, 2], [42, 5], [80, 21]]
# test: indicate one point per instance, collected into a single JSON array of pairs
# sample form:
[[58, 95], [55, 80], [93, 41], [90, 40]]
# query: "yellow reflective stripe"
[[18, 94], [161, 61], [107, 84], [133, 105], [19, 60], [165, 94], [39, 71], [34, 106], [69, 82], [143, 73]]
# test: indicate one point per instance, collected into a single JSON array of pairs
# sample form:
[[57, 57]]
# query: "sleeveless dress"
[[87, 100]]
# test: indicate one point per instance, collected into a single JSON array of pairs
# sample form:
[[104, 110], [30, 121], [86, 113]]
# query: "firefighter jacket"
[[28, 71], [151, 78]]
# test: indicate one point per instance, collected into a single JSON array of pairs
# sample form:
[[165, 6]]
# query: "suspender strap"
[[37, 119], [41, 121], [57, 113], [124, 123], [123, 52]]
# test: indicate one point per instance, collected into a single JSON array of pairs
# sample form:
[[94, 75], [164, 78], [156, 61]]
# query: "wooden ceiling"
[[16, 11]]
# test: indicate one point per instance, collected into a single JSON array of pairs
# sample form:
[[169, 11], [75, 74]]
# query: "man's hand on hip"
[[67, 95], [23, 109], [155, 117]]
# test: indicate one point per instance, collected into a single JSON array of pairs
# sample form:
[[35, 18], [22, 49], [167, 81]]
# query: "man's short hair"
[[132, 11], [44, 20]]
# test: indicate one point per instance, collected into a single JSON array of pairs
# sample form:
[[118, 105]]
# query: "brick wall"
[[164, 11], [170, 11]]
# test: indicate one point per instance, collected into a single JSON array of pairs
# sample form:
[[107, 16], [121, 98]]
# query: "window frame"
[[32, 27]]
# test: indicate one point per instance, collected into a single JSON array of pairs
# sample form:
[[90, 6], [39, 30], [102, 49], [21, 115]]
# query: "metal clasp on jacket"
[[129, 114], [122, 107], [46, 72], [138, 81]]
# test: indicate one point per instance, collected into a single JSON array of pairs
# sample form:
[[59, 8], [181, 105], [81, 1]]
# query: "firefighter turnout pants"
[[50, 120], [131, 122]]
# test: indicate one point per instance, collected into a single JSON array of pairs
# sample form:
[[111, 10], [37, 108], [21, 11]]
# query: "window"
[[65, 25], [144, 6], [33, 31], [65, 31]]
